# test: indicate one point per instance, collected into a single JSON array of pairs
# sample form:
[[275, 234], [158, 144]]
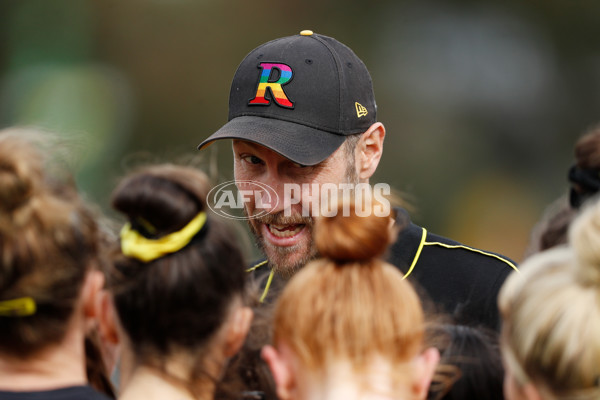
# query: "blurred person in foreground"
[[551, 318], [470, 365], [584, 183], [49, 274], [347, 326], [175, 294], [302, 111]]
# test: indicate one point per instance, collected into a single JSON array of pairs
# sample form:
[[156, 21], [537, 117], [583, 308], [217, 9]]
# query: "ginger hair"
[[350, 305]]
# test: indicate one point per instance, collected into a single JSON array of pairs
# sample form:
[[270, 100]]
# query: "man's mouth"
[[285, 231], [281, 231], [284, 235]]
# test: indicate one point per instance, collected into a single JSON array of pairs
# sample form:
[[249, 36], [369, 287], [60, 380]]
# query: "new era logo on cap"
[[360, 110], [299, 96]]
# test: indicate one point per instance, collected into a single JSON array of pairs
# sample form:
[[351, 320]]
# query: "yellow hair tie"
[[21, 307], [137, 246]]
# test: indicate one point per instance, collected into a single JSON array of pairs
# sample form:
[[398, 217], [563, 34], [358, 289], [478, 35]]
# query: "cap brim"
[[299, 143]]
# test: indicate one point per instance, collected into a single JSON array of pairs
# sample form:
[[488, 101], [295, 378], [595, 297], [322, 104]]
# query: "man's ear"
[[281, 371], [369, 150], [425, 369], [239, 324]]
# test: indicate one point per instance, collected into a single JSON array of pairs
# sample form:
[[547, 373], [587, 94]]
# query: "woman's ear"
[[425, 368], [531, 392], [108, 329], [107, 318], [515, 390], [92, 286], [281, 370], [239, 324]]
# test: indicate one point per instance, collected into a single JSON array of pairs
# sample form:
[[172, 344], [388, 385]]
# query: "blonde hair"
[[350, 305], [551, 312]]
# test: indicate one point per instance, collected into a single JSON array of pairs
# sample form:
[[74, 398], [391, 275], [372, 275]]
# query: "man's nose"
[[273, 193]]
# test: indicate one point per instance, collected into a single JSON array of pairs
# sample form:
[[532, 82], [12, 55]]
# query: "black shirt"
[[460, 281]]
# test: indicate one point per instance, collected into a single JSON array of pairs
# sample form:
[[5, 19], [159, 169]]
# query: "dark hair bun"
[[347, 237], [166, 197], [587, 149]]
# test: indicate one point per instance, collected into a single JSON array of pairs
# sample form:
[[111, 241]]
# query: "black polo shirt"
[[459, 280], [452, 279]]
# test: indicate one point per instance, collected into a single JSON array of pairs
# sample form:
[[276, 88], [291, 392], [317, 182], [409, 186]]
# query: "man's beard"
[[278, 259], [278, 256]]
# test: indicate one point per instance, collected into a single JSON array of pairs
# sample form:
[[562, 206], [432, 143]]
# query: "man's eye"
[[252, 159], [299, 165]]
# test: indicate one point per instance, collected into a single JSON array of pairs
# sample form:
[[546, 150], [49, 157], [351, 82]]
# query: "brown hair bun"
[[20, 171], [351, 236]]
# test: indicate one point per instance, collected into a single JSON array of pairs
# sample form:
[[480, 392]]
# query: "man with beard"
[[302, 111]]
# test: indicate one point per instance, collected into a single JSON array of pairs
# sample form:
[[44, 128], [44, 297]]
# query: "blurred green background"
[[482, 100]]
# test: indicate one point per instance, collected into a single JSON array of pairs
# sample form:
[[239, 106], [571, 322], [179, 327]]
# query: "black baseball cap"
[[300, 96]]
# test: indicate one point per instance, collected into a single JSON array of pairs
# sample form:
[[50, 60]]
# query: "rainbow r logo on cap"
[[276, 88]]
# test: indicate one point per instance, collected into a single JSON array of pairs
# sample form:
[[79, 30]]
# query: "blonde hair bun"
[[584, 237]]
